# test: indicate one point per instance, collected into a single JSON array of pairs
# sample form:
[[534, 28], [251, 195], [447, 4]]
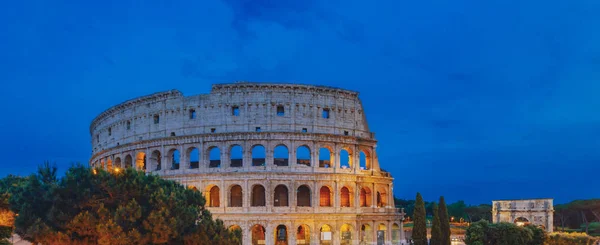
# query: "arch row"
[[343, 232], [304, 156]]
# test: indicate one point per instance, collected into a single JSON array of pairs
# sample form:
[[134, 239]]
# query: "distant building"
[[522, 212], [285, 163]]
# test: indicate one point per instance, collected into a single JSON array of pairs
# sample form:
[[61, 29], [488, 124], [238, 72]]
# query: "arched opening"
[[258, 155], [102, 165], [381, 228], [396, 233], [366, 233], [325, 158], [345, 197], [173, 160], [345, 158], [381, 197], [365, 197], [281, 235], [303, 235], [140, 161], [303, 196], [326, 235], [235, 196], [346, 234], [156, 160], [109, 164], [521, 221], [303, 155], [258, 196], [128, 161], [280, 199], [118, 163], [258, 235], [213, 197], [236, 157], [281, 155], [193, 155], [236, 230], [214, 157], [365, 161], [325, 196]]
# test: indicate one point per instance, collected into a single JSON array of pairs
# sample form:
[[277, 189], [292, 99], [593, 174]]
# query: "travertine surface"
[[296, 198], [534, 211]]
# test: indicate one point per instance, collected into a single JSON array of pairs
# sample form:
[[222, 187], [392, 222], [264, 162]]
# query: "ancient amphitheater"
[[285, 163]]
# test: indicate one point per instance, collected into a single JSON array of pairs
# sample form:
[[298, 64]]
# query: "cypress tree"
[[436, 232], [444, 222], [419, 233]]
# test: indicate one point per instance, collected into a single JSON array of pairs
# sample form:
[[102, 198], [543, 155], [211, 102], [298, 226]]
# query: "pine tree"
[[419, 234], [444, 222], [436, 232]]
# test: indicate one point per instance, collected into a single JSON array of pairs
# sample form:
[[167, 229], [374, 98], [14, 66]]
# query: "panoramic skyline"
[[471, 100]]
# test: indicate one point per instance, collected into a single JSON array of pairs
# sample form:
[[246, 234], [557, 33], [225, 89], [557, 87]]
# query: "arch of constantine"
[[285, 163], [532, 211]]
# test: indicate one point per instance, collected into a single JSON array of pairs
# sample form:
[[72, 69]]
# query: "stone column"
[[269, 235], [373, 196], [246, 195], [225, 157]]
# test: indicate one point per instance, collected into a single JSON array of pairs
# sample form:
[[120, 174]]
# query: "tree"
[[457, 210], [483, 233], [444, 222], [419, 234], [436, 232], [7, 184], [477, 213], [93, 206]]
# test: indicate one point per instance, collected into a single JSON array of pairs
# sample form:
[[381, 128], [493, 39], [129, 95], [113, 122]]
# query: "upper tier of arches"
[[232, 108]]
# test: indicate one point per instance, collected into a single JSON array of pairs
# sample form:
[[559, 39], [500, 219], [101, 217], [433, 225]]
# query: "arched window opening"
[[213, 197], [345, 197], [346, 234], [109, 164], [303, 235], [365, 162], [396, 233], [128, 161], [236, 157], [345, 159], [303, 196], [280, 199], [325, 158], [325, 197], [236, 230], [156, 160], [117, 163], [365, 197], [520, 221], [140, 161], [281, 235], [174, 158], [194, 157], [258, 235], [258, 155], [281, 156], [236, 198], [258, 196], [214, 157], [326, 235], [303, 155]]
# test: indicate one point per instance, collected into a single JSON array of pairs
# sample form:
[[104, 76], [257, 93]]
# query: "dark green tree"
[[444, 222], [93, 206], [457, 210], [7, 184], [477, 213], [419, 233], [436, 232]]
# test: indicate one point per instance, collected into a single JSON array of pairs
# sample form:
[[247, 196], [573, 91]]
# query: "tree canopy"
[[93, 206], [419, 234]]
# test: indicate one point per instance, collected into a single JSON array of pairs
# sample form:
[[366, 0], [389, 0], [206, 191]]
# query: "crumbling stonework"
[[310, 195]]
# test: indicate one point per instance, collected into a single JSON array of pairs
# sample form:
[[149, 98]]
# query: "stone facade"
[[533, 211], [285, 163]]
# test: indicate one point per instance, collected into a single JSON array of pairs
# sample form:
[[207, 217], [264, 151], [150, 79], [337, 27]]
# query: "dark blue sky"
[[474, 100]]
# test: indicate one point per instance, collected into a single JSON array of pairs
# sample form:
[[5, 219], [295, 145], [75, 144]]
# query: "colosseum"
[[285, 163]]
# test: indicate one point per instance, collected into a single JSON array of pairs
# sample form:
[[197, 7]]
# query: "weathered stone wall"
[[535, 211], [354, 199]]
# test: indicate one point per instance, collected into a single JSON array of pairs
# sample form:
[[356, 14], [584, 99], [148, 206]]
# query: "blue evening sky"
[[471, 99]]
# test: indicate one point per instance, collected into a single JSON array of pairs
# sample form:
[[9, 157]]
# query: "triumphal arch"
[[284, 163], [521, 212]]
